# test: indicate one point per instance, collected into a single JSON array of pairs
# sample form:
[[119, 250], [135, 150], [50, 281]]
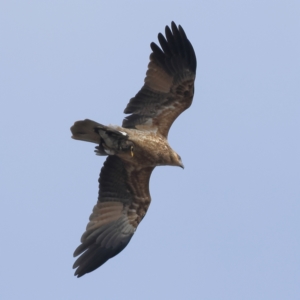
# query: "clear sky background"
[[225, 227]]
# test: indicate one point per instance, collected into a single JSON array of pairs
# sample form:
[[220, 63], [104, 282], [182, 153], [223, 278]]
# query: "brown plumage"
[[135, 149]]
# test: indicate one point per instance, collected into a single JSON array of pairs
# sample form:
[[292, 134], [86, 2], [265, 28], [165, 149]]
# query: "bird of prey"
[[135, 149]]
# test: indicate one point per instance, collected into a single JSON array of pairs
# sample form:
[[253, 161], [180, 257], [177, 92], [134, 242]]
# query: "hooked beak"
[[181, 165]]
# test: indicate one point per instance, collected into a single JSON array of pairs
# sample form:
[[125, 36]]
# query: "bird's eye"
[[179, 157]]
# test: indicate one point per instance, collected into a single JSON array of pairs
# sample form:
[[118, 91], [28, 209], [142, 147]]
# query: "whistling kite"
[[135, 149]]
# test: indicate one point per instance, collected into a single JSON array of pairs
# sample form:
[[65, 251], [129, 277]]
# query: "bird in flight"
[[135, 149]]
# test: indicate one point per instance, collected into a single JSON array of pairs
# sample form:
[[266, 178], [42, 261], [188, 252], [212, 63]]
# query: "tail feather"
[[110, 140], [85, 131]]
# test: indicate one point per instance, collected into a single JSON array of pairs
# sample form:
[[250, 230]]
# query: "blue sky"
[[225, 227]]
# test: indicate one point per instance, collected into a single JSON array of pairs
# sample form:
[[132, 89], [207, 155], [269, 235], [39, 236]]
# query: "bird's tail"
[[110, 140], [85, 131]]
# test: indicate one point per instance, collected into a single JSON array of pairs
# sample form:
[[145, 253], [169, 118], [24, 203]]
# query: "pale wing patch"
[[157, 79], [103, 213], [120, 230]]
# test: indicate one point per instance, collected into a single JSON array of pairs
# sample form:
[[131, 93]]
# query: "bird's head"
[[176, 160]]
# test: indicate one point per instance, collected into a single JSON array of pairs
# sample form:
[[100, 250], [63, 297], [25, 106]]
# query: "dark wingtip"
[[174, 43], [78, 275]]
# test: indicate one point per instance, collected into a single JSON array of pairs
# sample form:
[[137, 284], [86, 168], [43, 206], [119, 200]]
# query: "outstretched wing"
[[123, 201], [169, 84]]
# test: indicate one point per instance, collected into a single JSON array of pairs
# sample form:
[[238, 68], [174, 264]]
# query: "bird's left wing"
[[123, 201], [169, 84]]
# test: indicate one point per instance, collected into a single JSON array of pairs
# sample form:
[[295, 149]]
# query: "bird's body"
[[135, 149]]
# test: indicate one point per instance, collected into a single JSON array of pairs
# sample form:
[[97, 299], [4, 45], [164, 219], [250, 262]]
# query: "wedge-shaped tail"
[[85, 131], [110, 140]]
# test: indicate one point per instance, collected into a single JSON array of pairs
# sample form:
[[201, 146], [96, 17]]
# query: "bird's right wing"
[[123, 201]]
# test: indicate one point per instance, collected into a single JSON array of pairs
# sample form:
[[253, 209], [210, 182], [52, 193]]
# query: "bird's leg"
[[131, 151]]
